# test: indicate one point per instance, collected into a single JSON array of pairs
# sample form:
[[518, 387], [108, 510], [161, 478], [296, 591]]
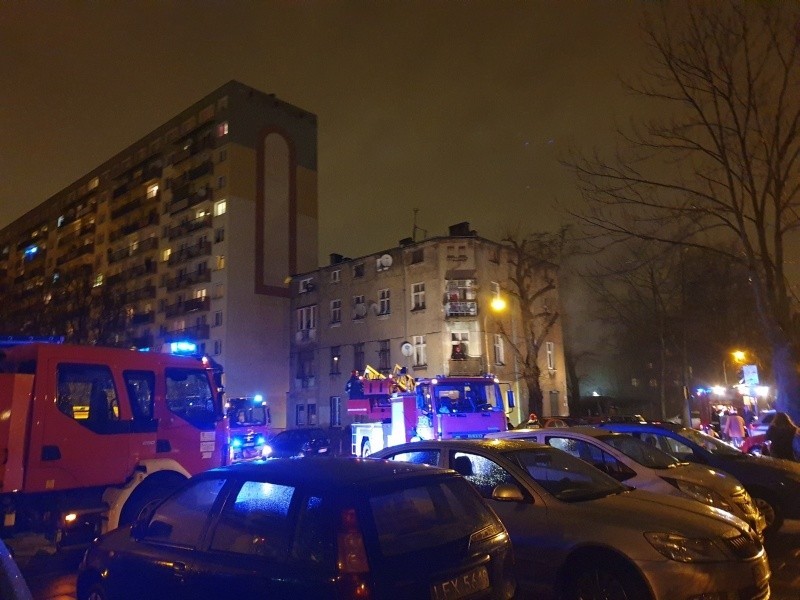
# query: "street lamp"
[[738, 357], [497, 304]]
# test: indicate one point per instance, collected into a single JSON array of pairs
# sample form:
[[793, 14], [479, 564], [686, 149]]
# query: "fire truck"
[[249, 424], [90, 435], [391, 410]]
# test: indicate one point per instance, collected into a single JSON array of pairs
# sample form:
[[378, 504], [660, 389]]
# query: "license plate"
[[461, 586]]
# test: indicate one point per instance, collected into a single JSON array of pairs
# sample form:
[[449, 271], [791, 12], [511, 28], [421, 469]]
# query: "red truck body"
[[96, 432]]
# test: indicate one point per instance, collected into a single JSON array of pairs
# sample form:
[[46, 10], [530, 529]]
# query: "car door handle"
[[179, 568]]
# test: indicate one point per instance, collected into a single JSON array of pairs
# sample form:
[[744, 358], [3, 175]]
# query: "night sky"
[[459, 109]]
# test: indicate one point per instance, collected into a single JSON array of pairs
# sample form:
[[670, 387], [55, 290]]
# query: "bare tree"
[[532, 283], [720, 170]]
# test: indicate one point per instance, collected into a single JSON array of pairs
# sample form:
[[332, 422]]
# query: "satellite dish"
[[375, 308], [360, 309], [386, 261], [407, 349]]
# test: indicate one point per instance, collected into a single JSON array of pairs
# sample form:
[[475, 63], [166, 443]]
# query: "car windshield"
[[711, 444], [417, 518], [567, 478], [643, 453]]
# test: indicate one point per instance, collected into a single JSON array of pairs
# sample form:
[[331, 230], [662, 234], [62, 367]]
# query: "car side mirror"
[[507, 492]]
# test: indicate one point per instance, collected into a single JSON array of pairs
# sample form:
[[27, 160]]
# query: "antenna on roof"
[[414, 230]]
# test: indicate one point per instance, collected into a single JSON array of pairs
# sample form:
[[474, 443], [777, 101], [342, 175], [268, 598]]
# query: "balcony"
[[182, 199], [147, 220], [148, 267], [143, 318], [132, 250], [29, 274], [188, 306], [143, 341], [75, 253], [198, 332], [183, 281], [470, 366], [188, 227], [190, 252], [305, 336], [202, 169], [77, 233], [147, 292], [466, 308]]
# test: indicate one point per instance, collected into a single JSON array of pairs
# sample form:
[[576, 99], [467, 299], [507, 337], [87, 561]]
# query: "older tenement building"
[[189, 234], [424, 306]]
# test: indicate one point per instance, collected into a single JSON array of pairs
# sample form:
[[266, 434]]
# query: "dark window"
[[384, 355], [181, 520], [358, 357], [141, 387]]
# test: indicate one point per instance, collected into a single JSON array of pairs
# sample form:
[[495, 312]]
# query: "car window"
[[313, 540], [181, 519], [646, 454], [411, 519], [484, 473], [667, 444], [592, 454], [255, 520], [418, 457]]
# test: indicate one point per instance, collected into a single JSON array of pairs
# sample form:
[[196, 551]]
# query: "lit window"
[[220, 262], [165, 254], [222, 129], [459, 341], [152, 190], [220, 208], [201, 293], [551, 355], [94, 182]]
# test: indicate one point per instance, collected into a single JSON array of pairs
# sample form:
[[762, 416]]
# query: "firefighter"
[[354, 387]]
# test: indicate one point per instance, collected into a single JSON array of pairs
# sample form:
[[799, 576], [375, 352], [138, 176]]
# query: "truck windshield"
[[189, 396], [244, 413], [467, 397]]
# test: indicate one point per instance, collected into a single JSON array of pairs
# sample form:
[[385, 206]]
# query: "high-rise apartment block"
[[425, 306], [189, 234]]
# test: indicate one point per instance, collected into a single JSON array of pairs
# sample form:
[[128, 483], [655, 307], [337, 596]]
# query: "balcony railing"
[[466, 367], [143, 318], [148, 267], [147, 220], [75, 253], [182, 199], [190, 252], [147, 292], [466, 308], [132, 250], [188, 306], [182, 281], [198, 332], [188, 227]]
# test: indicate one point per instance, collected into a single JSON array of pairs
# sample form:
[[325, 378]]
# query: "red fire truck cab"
[[249, 424], [90, 435]]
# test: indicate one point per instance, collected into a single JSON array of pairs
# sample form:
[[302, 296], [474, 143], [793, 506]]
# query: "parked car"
[[579, 533], [313, 528], [773, 484], [645, 467], [12, 583], [307, 441]]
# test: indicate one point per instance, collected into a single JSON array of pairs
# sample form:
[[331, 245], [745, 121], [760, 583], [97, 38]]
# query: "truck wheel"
[[366, 449], [153, 489]]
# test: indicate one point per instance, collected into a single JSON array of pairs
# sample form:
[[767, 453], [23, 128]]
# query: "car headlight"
[[684, 549], [701, 493], [266, 450]]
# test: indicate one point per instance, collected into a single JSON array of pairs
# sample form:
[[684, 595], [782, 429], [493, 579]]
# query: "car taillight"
[[352, 557], [352, 554]]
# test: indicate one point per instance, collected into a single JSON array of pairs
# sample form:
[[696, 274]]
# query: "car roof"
[[328, 471], [492, 444], [647, 426], [588, 430]]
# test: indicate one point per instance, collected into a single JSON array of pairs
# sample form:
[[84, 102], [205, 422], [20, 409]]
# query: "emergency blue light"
[[183, 348]]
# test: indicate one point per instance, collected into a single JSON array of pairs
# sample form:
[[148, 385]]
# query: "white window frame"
[[385, 302], [460, 337], [550, 354], [307, 318], [418, 295], [336, 311], [420, 351], [336, 276]]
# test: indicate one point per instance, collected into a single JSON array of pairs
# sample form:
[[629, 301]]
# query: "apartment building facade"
[[423, 305], [189, 234]]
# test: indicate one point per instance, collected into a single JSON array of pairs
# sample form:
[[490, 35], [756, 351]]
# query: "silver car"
[[645, 467], [579, 533]]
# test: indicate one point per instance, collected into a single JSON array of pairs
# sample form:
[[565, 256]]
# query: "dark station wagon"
[[308, 528]]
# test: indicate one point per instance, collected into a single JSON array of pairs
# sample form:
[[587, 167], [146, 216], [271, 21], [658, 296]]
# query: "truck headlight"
[[684, 549]]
